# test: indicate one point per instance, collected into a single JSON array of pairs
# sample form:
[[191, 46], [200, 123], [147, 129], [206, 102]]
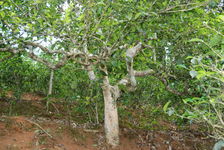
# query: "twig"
[[39, 127], [207, 26], [94, 131], [169, 10]]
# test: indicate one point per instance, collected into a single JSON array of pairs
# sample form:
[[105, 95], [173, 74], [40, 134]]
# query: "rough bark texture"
[[51, 82], [91, 73], [130, 54], [110, 114]]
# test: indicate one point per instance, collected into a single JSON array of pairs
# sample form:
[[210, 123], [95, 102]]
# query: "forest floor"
[[21, 131]]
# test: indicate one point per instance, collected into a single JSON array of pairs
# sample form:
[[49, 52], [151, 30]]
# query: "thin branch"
[[62, 62], [40, 127], [125, 80], [44, 48], [207, 26], [144, 73], [43, 61], [219, 55], [169, 10], [11, 50], [168, 88]]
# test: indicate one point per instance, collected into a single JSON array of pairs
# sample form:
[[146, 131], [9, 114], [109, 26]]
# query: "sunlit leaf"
[[193, 73]]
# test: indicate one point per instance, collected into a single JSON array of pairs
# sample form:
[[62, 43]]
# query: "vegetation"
[[108, 56]]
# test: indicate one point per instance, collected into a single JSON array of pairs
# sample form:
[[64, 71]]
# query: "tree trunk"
[[110, 114], [51, 82]]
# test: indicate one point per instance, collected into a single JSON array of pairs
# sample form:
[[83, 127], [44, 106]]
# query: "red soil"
[[21, 133]]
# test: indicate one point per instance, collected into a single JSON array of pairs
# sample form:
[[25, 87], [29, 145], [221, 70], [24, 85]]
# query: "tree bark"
[[110, 114], [51, 82]]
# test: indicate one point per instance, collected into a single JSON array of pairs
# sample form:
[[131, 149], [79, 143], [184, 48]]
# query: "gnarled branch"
[[130, 54]]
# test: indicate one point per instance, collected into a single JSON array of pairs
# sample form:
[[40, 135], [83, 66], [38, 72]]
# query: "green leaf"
[[193, 73], [166, 106], [129, 16], [201, 74], [2, 14], [196, 40], [99, 31], [182, 66], [212, 100], [81, 17], [138, 15], [188, 100], [189, 57], [215, 40], [221, 17], [39, 1], [101, 3], [194, 61]]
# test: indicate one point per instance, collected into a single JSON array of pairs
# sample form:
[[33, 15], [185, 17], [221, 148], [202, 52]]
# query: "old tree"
[[114, 41]]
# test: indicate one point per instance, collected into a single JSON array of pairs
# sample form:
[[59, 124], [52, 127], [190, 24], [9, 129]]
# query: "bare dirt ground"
[[22, 133], [41, 132]]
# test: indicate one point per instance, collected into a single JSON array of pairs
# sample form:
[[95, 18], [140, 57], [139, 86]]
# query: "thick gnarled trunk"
[[110, 114]]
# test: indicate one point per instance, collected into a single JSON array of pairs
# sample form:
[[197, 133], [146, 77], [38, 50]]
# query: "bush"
[[207, 69]]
